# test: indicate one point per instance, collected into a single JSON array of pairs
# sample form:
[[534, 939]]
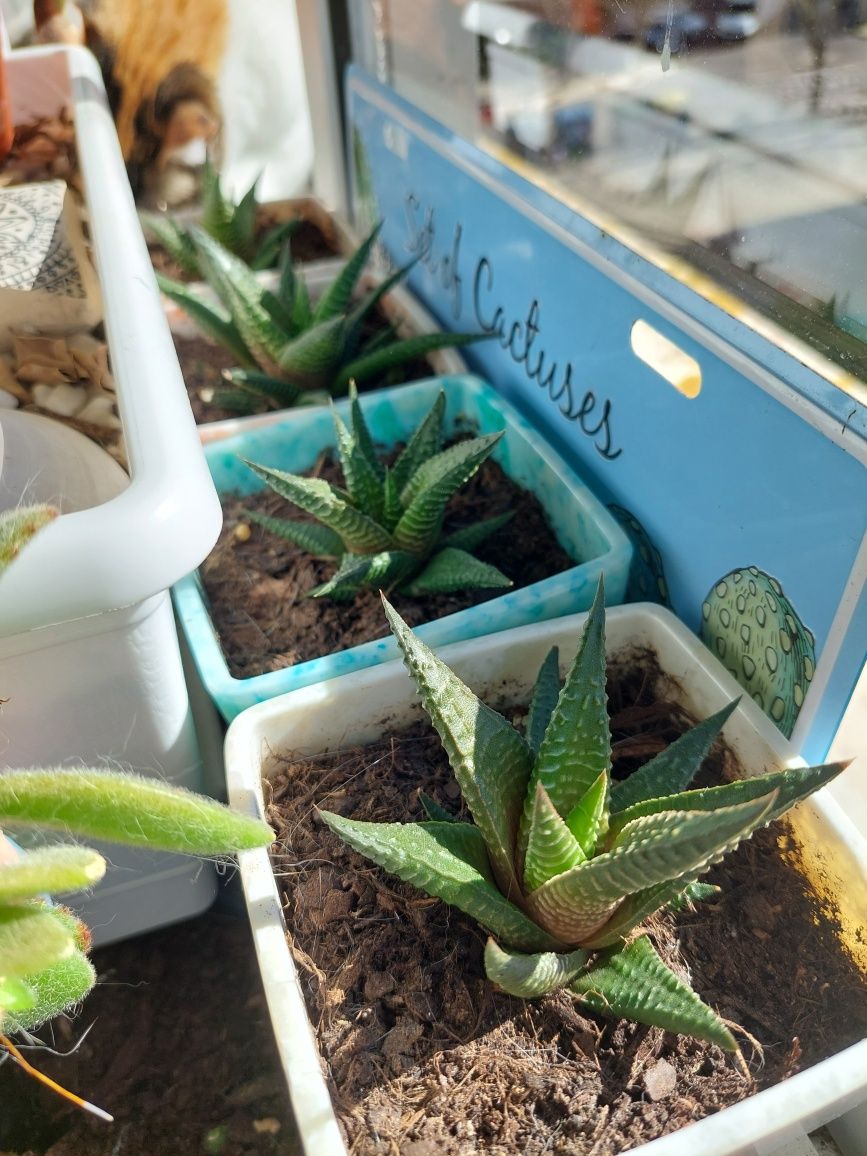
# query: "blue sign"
[[745, 494]]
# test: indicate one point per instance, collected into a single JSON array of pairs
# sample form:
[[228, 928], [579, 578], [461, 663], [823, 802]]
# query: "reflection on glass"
[[729, 133]]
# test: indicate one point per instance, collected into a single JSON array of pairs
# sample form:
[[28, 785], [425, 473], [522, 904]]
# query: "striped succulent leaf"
[[313, 537], [236, 286], [385, 540], [447, 860], [633, 982], [529, 976], [584, 864], [419, 528], [450, 570], [173, 238], [358, 532], [338, 297], [215, 322], [262, 386]]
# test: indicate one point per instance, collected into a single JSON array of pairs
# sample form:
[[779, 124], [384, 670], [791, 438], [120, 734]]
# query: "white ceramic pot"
[[89, 653], [349, 710]]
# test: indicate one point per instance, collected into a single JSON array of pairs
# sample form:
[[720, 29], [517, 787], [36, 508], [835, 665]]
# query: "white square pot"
[[349, 710], [89, 653]]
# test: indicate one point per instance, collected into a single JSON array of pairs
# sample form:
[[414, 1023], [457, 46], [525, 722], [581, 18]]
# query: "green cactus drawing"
[[755, 631], [646, 574]]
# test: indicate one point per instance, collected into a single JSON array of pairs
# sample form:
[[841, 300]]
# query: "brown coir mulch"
[[175, 1042], [258, 589], [424, 1058]]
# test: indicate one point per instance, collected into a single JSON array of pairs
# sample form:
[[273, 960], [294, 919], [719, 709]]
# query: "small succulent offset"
[[289, 350], [233, 224], [385, 528], [562, 864]]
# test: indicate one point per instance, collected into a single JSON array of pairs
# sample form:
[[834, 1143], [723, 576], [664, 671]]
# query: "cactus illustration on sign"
[[755, 631]]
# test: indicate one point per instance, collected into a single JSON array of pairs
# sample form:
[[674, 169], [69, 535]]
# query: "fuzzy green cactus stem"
[[561, 864], [18, 526], [43, 964]]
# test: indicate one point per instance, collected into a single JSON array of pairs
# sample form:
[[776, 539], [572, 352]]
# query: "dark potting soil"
[[258, 589], [308, 241], [180, 1051], [425, 1058]]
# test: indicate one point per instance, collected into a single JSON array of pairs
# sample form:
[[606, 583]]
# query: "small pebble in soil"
[[242, 532], [660, 1080]]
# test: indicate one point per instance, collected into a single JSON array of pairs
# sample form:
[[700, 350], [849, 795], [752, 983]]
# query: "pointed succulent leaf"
[[422, 521], [447, 860], [245, 220], [356, 318], [336, 299], [791, 786], [490, 760], [529, 976], [55, 988], [633, 982], [361, 479], [302, 312], [236, 286], [434, 811], [215, 323], [382, 571], [362, 435], [126, 808], [469, 537], [322, 500], [263, 387], [216, 211], [451, 569], [315, 352], [392, 510], [269, 247], [545, 695], [372, 364], [634, 910], [279, 314], [49, 870], [588, 819], [31, 938], [382, 337], [673, 769], [576, 748], [424, 444], [173, 238], [648, 851], [551, 846], [310, 536]]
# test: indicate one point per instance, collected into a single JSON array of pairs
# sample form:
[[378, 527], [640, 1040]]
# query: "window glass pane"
[[730, 134]]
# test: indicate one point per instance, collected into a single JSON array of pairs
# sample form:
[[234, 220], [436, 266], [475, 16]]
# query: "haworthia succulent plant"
[[385, 527], [579, 862], [289, 351], [232, 223], [43, 964]]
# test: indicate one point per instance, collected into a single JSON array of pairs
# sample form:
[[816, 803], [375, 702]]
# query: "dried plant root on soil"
[[258, 589], [425, 1057]]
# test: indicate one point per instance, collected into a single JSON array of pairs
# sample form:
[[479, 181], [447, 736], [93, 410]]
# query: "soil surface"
[[180, 1051], [202, 364], [258, 589], [426, 1059], [308, 242]]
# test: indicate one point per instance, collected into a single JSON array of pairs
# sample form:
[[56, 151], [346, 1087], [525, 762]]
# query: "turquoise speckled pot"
[[293, 440]]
